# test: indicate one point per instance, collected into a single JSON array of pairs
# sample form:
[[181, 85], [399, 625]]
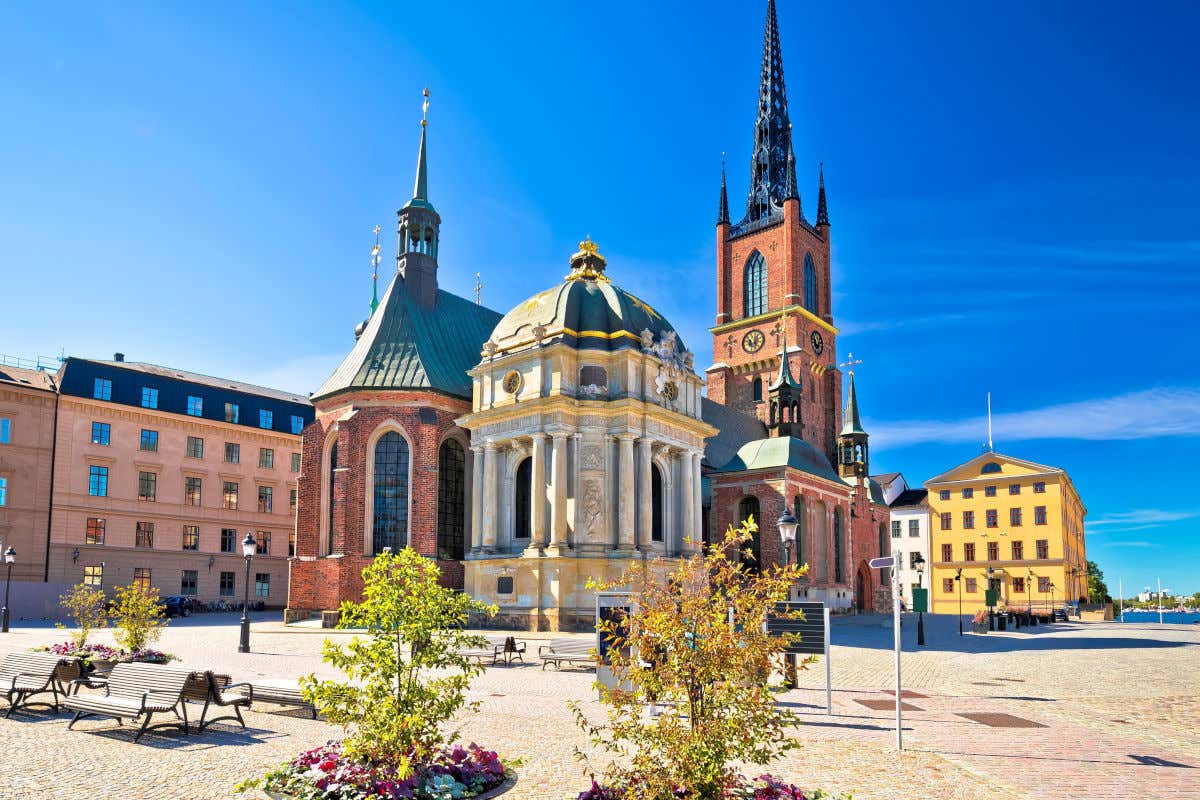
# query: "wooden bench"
[[572, 651], [216, 689], [137, 690], [24, 675], [497, 647], [283, 693]]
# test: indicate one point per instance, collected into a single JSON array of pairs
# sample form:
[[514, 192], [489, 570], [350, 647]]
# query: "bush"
[[85, 604], [139, 617]]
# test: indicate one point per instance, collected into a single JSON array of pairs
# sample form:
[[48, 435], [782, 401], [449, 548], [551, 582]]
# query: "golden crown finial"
[[589, 247], [587, 263]]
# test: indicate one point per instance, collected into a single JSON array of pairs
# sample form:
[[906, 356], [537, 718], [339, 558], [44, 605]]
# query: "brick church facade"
[[386, 464]]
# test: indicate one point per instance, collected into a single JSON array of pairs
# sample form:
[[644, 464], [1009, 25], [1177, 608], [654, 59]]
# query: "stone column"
[[697, 506], [538, 494], [476, 498], [684, 493], [558, 491], [645, 511], [626, 532], [490, 509]]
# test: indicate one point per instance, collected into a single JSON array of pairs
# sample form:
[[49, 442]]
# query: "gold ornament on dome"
[[587, 264]]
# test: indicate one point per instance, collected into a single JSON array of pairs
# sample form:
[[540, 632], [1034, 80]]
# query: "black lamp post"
[[248, 546], [787, 525], [1052, 619], [1029, 596], [919, 563], [958, 579], [10, 555], [991, 614]]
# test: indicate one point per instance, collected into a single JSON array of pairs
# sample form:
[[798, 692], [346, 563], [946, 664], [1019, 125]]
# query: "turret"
[[853, 455], [417, 229]]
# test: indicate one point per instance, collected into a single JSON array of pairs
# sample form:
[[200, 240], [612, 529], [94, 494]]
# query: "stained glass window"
[[810, 284], [390, 524], [756, 285], [451, 528]]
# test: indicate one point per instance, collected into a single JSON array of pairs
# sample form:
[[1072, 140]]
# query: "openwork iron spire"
[[772, 129], [790, 190], [723, 207], [822, 211]]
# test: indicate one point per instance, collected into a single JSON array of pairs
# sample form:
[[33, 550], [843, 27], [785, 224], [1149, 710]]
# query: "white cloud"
[[849, 328], [1142, 516], [1138, 415]]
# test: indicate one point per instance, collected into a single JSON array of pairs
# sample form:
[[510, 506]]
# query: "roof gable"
[[977, 468]]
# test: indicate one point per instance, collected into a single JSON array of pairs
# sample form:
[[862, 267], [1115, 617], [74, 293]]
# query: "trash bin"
[[1000, 621]]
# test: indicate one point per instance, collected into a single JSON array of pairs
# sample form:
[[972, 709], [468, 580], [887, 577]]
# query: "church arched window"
[[838, 534], [333, 462], [800, 511], [756, 389], [389, 528], [656, 504], [748, 508], [884, 545], [755, 293], [523, 501], [451, 500], [810, 284]]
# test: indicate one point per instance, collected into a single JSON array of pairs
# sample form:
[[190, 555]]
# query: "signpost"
[[886, 562], [615, 607], [814, 636]]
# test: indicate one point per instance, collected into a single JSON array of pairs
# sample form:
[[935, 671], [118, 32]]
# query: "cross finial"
[[850, 363], [425, 108], [375, 254], [478, 288]]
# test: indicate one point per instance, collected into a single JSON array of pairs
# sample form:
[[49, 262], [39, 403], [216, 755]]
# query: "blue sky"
[[1014, 195]]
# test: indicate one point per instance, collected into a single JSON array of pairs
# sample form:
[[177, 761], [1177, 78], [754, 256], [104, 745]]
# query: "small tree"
[[1097, 589], [680, 650], [138, 617], [85, 605], [392, 707]]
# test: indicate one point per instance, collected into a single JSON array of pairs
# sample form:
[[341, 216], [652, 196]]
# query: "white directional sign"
[[883, 562]]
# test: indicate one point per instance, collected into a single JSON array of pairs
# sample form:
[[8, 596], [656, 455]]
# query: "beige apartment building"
[[27, 401], [159, 475]]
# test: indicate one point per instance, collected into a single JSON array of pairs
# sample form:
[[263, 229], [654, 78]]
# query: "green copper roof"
[[782, 451], [405, 346], [420, 198], [852, 424]]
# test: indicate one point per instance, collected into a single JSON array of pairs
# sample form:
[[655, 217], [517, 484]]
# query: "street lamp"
[[1029, 596], [919, 562], [991, 614], [958, 578], [10, 555], [1052, 618], [248, 547], [787, 525]]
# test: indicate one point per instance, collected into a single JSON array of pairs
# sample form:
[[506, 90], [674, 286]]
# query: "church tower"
[[773, 279], [853, 455], [417, 229]]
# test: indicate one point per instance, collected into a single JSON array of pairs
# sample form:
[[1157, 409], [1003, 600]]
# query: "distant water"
[[1169, 617]]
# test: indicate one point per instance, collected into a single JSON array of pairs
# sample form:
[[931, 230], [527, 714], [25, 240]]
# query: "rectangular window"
[[266, 458], [102, 389], [227, 585], [195, 447], [187, 583], [993, 551], [292, 499], [228, 540], [233, 453], [1018, 585], [968, 494], [912, 559], [989, 491], [947, 552], [969, 551], [972, 587], [3, 491], [1018, 551], [229, 496], [993, 518], [231, 412], [968, 520], [1014, 488], [297, 424], [266, 496], [295, 462], [262, 584], [149, 397], [101, 432], [1014, 517], [147, 486], [1039, 515], [143, 535], [1043, 583], [93, 575], [191, 537], [292, 544], [1043, 549], [98, 481], [5, 430], [94, 534], [266, 419], [191, 491], [148, 441], [895, 529], [948, 585], [141, 577], [944, 494], [262, 543], [1039, 487], [945, 520], [195, 406]]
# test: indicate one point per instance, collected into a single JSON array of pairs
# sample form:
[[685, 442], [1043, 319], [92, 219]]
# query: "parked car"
[[178, 605]]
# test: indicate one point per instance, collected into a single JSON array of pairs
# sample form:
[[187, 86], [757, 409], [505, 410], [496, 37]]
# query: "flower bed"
[[327, 773], [764, 787], [101, 652]]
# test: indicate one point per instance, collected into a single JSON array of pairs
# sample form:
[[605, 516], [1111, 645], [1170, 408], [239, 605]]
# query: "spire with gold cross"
[[375, 272]]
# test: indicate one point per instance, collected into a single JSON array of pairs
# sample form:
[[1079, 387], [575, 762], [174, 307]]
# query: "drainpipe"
[[53, 453]]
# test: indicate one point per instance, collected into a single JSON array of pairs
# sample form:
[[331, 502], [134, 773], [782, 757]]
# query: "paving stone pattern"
[[1121, 706]]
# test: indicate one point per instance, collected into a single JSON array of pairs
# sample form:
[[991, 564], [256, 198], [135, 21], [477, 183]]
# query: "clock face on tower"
[[753, 341], [818, 344]]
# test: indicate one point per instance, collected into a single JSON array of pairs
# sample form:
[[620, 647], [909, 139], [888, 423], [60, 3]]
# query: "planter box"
[[509, 782], [979, 627]]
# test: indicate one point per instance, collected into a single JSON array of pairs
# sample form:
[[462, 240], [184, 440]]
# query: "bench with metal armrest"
[[136, 691], [25, 675], [571, 651]]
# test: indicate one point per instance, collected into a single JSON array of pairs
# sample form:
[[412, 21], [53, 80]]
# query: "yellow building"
[[1009, 521]]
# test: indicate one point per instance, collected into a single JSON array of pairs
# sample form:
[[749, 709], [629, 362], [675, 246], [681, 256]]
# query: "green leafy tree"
[[85, 605], [1097, 590], [407, 677], [138, 617], [679, 650]]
